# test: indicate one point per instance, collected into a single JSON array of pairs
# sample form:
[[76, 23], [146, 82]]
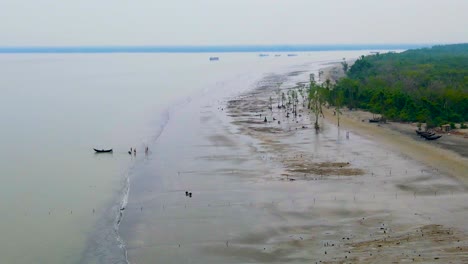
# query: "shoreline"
[[358, 184], [442, 159], [278, 192], [451, 158]]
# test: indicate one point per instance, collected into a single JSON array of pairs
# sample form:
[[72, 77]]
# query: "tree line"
[[428, 85]]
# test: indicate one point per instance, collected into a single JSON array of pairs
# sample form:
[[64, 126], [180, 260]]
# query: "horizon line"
[[206, 48]]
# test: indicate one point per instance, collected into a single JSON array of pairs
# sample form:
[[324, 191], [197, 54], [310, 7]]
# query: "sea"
[[60, 201]]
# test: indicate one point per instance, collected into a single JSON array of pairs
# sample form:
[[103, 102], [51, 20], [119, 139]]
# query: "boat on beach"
[[428, 135], [424, 133], [214, 58], [377, 120], [102, 150], [433, 137]]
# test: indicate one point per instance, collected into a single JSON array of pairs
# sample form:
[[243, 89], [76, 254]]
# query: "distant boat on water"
[[214, 58], [292, 55], [263, 55], [103, 150]]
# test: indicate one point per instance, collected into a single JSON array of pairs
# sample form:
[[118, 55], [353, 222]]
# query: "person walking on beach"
[[146, 150], [134, 151]]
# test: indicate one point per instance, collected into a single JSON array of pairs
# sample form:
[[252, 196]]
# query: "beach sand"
[[404, 240], [280, 192], [448, 154]]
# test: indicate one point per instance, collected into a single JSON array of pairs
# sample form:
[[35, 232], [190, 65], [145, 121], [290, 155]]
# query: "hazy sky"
[[214, 22]]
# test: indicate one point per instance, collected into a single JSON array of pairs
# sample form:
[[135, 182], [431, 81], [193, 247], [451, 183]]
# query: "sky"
[[231, 22]]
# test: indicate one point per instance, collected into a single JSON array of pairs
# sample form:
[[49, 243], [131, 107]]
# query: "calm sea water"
[[59, 200]]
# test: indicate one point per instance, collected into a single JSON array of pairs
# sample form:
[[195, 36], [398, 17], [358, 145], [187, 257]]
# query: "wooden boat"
[[102, 150], [433, 137], [375, 119], [425, 133]]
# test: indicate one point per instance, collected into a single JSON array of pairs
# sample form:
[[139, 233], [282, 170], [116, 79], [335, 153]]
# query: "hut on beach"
[[445, 128]]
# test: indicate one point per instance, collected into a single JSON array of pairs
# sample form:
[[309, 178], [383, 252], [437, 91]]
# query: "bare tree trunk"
[[338, 116]]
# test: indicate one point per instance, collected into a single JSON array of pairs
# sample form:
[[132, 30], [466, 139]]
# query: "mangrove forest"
[[428, 85]]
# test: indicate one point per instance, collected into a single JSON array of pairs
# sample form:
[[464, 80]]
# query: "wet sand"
[[265, 192], [448, 154], [378, 229]]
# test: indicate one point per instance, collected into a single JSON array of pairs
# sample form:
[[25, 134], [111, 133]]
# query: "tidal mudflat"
[[280, 192]]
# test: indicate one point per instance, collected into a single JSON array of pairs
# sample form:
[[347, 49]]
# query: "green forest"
[[428, 85]]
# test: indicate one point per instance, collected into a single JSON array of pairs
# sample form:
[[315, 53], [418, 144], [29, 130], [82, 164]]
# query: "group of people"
[[134, 151]]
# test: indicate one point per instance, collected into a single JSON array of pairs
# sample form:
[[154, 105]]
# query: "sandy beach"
[[448, 154], [279, 192]]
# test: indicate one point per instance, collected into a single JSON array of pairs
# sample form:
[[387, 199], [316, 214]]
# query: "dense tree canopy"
[[425, 85]]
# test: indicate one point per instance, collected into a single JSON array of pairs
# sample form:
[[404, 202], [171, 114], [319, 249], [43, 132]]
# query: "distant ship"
[[214, 58], [292, 55], [263, 55]]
